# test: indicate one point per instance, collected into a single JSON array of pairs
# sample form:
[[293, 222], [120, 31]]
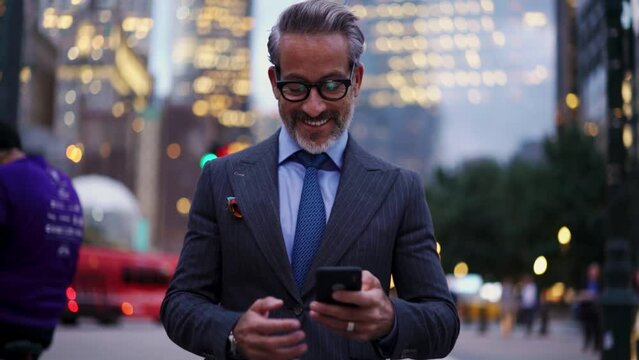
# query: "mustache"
[[302, 116]]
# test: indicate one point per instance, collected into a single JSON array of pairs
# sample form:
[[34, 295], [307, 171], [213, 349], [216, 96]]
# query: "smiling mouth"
[[315, 123]]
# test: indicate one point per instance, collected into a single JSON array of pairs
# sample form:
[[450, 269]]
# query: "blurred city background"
[[521, 116]]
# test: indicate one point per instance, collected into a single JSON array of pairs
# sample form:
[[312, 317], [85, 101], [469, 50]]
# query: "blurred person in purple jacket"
[[41, 228]]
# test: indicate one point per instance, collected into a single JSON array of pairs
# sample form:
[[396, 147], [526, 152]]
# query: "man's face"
[[315, 122]]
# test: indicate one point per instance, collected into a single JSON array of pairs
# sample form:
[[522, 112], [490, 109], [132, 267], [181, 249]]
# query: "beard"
[[309, 141]]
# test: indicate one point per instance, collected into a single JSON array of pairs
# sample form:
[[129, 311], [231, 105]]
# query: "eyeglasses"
[[332, 90]]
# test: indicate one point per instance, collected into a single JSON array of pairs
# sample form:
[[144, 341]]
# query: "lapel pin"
[[233, 207]]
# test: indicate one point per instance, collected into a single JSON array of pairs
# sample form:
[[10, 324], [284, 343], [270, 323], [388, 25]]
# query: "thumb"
[[369, 281], [264, 305]]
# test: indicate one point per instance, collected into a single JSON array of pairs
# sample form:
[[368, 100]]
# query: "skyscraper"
[[207, 108], [475, 73]]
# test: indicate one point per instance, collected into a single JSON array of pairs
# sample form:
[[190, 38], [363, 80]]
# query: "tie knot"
[[312, 160]]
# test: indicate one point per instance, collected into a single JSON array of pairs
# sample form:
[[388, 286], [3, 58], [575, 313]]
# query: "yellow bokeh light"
[[203, 85], [138, 125], [25, 74], [95, 87], [74, 152], [461, 269], [535, 19], [73, 53], [117, 109], [572, 101], [392, 282], [236, 146], [86, 74], [65, 22], [183, 205], [439, 248], [627, 136], [200, 107], [173, 151], [556, 292], [540, 266], [97, 42], [564, 236]]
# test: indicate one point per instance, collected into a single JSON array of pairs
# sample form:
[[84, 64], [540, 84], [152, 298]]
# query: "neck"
[[11, 155]]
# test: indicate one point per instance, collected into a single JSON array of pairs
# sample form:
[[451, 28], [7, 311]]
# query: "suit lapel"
[[364, 183], [254, 180]]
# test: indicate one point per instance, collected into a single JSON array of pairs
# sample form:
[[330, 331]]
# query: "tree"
[[498, 219]]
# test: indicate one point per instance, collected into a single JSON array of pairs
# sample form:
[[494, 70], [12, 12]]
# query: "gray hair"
[[317, 17]]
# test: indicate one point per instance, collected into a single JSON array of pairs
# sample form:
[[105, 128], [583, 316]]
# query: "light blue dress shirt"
[[291, 178]]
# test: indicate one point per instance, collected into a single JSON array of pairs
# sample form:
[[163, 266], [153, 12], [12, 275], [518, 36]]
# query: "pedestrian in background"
[[41, 229], [528, 303], [264, 219], [508, 306], [589, 311]]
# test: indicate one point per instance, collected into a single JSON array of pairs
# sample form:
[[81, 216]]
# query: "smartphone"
[[334, 278]]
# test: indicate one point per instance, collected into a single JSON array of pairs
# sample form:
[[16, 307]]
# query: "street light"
[[460, 270], [540, 266], [564, 236]]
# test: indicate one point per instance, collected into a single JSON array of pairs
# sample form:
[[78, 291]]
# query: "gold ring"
[[350, 327]]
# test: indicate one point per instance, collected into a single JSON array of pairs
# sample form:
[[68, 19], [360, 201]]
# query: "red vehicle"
[[116, 274], [111, 283]]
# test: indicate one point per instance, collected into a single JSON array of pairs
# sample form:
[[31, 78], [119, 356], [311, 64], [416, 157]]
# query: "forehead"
[[313, 55]]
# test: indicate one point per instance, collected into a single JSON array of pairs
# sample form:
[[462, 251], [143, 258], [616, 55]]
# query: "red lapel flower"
[[233, 207]]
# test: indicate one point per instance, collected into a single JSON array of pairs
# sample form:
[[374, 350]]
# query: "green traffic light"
[[206, 158]]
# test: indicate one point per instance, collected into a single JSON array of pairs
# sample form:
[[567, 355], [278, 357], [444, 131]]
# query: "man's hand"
[[370, 320], [259, 337]]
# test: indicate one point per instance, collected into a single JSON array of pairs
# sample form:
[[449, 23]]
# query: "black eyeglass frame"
[[318, 85]]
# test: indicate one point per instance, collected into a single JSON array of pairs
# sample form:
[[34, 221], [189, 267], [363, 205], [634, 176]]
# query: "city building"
[[85, 89], [567, 100], [591, 68], [475, 73], [207, 109]]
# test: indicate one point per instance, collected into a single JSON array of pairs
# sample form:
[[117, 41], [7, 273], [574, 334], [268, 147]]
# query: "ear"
[[273, 79], [357, 79]]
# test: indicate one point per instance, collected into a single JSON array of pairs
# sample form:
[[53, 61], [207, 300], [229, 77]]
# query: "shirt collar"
[[288, 146]]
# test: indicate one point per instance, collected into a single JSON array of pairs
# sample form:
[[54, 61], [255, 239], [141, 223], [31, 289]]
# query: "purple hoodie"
[[41, 229]]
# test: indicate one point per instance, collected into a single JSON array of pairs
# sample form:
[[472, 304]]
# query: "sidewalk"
[[563, 342]]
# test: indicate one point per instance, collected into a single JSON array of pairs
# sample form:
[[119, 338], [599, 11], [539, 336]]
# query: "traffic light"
[[206, 158], [217, 151]]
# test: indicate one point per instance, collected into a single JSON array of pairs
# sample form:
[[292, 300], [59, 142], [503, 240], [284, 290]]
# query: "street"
[[142, 340], [130, 340]]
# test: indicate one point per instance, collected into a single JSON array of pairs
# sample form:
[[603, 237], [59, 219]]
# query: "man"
[[245, 283], [40, 234]]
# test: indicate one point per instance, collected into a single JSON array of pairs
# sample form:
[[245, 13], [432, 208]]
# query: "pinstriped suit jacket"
[[380, 222]]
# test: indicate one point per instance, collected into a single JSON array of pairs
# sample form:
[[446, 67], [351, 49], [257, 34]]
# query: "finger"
[[343, 313], [360, 332], [264, 305], [257, 345], [274, 342], [369, 281], [275, 326], [335, 324]]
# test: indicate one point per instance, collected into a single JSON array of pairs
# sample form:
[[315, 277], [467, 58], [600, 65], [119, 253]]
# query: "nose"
[[314, 104]]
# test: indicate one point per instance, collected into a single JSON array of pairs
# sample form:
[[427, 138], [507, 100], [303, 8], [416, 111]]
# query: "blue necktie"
[[311, 217]]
